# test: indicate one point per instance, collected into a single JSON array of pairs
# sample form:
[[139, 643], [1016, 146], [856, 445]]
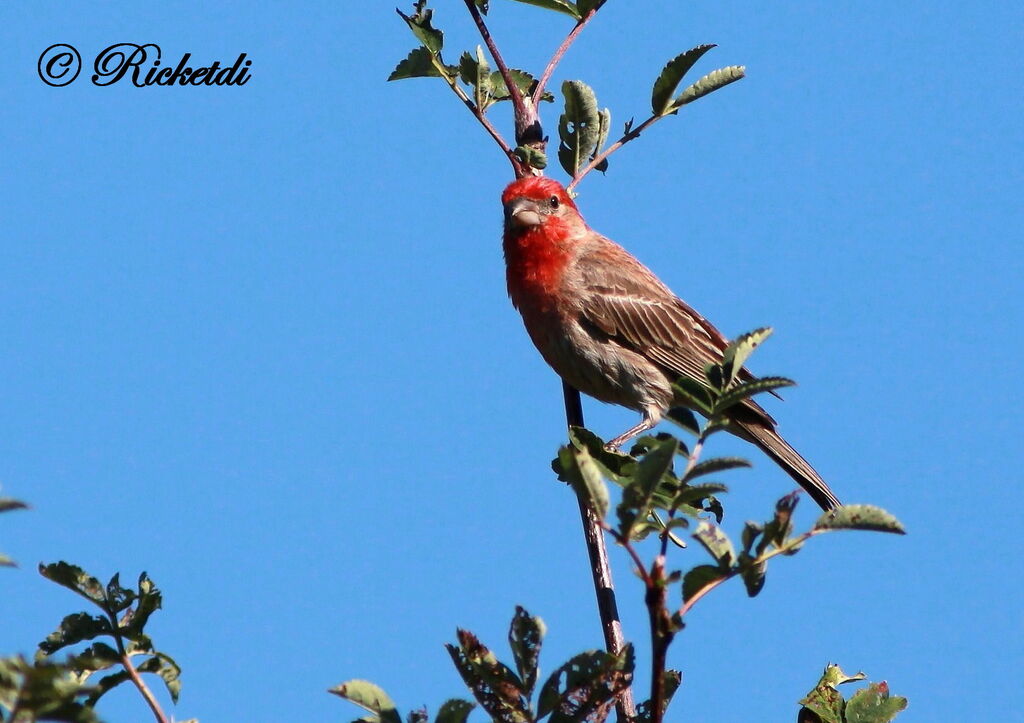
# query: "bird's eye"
[[553, 201]]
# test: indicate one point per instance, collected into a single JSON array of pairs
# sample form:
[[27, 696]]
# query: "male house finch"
[[610, 328]]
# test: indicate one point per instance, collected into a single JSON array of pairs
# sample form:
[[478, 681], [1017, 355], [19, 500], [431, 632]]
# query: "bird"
[[611, 329]]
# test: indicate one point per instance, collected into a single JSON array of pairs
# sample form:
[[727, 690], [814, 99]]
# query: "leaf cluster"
[[825, 704], [6, 505], [582, 690], [117, 634]]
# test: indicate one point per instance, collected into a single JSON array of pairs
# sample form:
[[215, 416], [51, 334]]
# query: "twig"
[[601, 571], [790, 545], [538, 92], [526, 116], [628, 546], [691, 462], [126, 662], [479, 115], [600, 157]]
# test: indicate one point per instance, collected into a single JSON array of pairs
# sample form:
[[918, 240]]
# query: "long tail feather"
[[769, 441]]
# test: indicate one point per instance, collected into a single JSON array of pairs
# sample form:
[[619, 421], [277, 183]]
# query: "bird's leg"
[[646, 423]]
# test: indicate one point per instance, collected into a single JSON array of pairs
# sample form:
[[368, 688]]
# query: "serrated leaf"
[[746, 390], [874, 705], [164, 666], [106, 684], [420, 22], [369, 696], [593, 484], [716, 542], [419, 64], [713, 465], [739, 350], [685, 419], [525, 635], [824, 702], [562, 6], [75, 579], [708, 84], [693, 394], [496, 688], [74, 629], [454, 710], [579, 125], [585, 688], [698, 578], [859, 517], [636, 497], [691, 494], [670, 77]]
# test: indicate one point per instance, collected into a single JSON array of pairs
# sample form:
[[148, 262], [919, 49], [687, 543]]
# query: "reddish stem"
[[557, 57]]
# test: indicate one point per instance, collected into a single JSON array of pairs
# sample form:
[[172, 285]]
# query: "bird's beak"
[[522, 213]]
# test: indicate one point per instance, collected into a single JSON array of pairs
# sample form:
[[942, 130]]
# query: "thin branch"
[[661, 636], [479, 115], [525, 117], [538, 92], [640, 567], [126, 662], [600, 569], [691, 462], [600, 157], [788, 547]]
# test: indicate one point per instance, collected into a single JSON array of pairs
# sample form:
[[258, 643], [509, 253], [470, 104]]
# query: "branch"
[[526, 117], [601, 571], [599, 158], [126, 662], [538, 92], [479, 115]]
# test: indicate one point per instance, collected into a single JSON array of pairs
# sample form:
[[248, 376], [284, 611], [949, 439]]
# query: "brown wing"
[[624, 300]]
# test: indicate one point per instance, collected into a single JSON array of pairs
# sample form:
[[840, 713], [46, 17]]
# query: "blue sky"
[[257, 343]]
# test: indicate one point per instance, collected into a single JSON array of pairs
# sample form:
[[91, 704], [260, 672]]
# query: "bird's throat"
[[535, 265]]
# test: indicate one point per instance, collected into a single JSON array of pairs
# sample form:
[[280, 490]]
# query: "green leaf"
[[691, 494], [742, 392], [524, 637], [752, 571], [106, 684], [693, 394], [149, 601], [672, 679], [578, 127], [670, 77], [593, 484], [636, 497], [699, 578], [75, 579], [74, 629], [419, 64], [716, 542], [859, 517], [369, 696], [614, 465], [685, 419], [561, 6], [164, 666], [834, 676], [708, 84], [476, 73], [532, 157], [873, 705], [484, 6], [43, 690], [495, 687], [521, 79], [739, 350], [715, 464], [119, 598], [585, 688], [585, 6], [420, 24], [454, 710]]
